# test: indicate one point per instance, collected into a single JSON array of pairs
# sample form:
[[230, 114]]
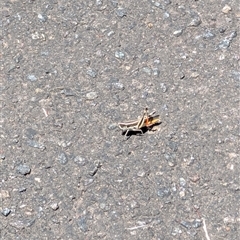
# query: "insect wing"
[[128, 124]]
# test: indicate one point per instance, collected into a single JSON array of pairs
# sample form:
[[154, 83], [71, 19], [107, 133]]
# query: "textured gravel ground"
[[71, 70]]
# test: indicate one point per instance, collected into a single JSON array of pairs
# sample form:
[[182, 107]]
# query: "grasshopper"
[[146, 121]]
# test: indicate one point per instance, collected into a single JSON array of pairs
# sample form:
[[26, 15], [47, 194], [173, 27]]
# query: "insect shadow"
[[141, 131]]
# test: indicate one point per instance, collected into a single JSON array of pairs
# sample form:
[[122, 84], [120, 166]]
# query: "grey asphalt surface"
[[72, 70]]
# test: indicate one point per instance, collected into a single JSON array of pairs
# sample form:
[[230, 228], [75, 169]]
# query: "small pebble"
[[37, 179], [181, 75], [91, 95], [102, 205], [166, 15], [197, 223], [208, 35], [144, 94], [157, 61], [156, 72], [222, 29], [81, 161], [6, 212], [23, 169], [196, 21], [100, 53], [194, 178], [32, 78], [88, 181], [99, 2], [163, 87], [121, 12], [118, 85], [54, 206], [194, 75], [182, 193], [177, 33], [158, 5], [112, 126], [18, 58], [37, 36], [176, 231], [164, 192], [171, 163], [186, 224], [232, 35], [114, 3], [35, 144], [119, 54], [42, 18], [182, 182], [225, 43], [110, 33], [147, 70], [165, 107], [22, 189], [92, 73], [62, 158], [68, 92], [150, 25], [226, 9], [4, 194], [141, 173]]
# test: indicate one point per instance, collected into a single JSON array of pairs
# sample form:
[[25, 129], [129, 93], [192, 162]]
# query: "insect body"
[[146, 121]]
